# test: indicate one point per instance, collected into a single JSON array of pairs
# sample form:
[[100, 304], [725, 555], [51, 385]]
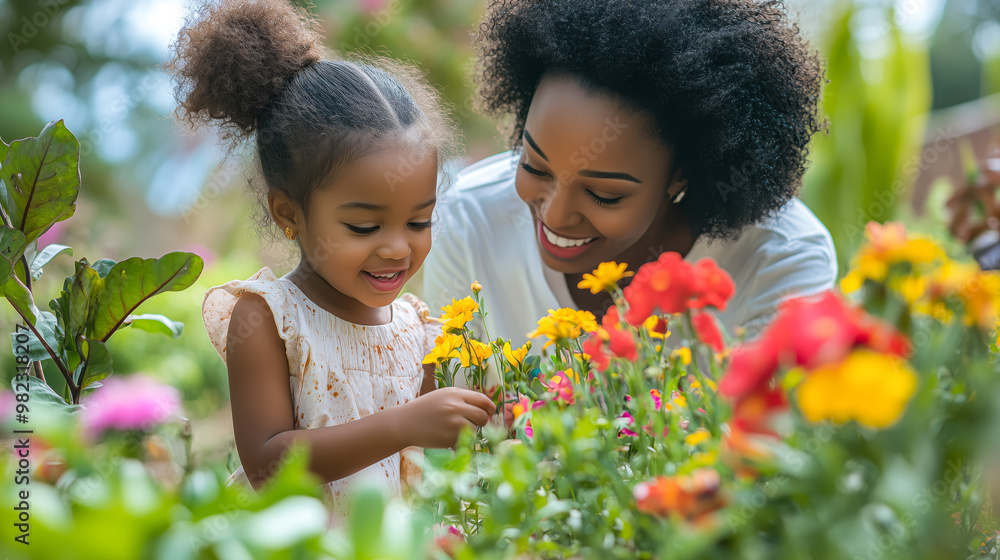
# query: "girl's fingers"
[[482, 401], [476, 415]]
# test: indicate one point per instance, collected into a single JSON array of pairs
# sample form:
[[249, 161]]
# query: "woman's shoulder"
[[488, 171], [482, 204]]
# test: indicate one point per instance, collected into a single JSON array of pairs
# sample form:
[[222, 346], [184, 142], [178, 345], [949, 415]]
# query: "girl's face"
[[594, 176], [368, 232]]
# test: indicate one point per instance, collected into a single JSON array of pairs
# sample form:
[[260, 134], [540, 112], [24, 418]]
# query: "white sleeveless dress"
[[339, 371]]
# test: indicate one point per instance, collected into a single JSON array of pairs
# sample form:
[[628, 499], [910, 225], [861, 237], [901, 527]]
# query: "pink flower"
[[560, 385], [135, 402], [7, 405], [631, 422], [657, 398]]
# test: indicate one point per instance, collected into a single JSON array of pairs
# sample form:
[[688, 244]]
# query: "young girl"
[[348, 152]]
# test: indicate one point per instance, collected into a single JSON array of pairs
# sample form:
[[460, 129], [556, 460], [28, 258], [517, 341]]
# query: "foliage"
[[39, 185], [875, 101]]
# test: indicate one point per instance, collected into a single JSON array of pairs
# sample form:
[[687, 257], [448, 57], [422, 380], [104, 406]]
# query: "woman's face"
[[594, 176]]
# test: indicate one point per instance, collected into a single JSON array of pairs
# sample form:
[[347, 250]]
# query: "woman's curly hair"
[[733, 87]]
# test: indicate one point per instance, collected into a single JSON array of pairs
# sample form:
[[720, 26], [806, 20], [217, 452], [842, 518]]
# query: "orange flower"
[[690, 497]]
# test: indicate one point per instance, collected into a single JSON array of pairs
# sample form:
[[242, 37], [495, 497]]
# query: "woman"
[[637, 128]]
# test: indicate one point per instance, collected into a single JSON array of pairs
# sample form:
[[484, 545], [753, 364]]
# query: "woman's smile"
[[562, 246]]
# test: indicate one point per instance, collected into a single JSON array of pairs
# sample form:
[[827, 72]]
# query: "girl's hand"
[[437, 418]]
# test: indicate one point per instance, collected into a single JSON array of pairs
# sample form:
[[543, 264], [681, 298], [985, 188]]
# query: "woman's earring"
[[291, 235], [679, 196]]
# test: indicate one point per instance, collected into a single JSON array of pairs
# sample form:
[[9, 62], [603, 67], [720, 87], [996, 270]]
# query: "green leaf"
[[156, 324], [45, 255], [133, 281], [20, 297], [95, 362], [51, 331], [12, 245], [73, 308], [365, 524], [40, 179], [104, 266], [40, 392]]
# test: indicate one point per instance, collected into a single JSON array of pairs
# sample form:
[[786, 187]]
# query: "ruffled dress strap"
[[217, 308], [430, 323]]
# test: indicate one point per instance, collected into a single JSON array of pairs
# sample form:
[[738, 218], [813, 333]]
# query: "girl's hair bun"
[[233, 57]]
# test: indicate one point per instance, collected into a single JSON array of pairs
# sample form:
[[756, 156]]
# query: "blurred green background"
[[902, 76]]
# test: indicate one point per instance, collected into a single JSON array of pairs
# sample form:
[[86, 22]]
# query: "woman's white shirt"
[[485, 233]]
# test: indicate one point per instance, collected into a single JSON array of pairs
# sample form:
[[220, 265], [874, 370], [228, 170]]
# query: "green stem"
[[500, 372], [51, 352], [27, 283]]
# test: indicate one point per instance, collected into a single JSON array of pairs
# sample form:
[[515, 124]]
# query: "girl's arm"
[[263, 420]]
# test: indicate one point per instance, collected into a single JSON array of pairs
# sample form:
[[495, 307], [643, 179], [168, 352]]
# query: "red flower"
[[824, 329], [622, 344], [667, 284], [708, 331], [674, 285], [611, 319], [594, 347], [752, 365], [713, 285], [752, 413]]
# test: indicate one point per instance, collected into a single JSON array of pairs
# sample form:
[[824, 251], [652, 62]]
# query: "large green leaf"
[[156, 324], [133, 281], [40, 179], [20, 297], [12, 245], [45, 255], [51, 331], [41, 393]]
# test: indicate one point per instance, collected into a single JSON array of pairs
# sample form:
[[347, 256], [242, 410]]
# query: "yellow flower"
[[456, 315], [870, 388], [696, 437], [564, 324], [516, 357], [702, 459], [604, 277], [475, 353], [447, 347], [978, 290], [650, 323], [887, 245], [684, 354], [476, 288], [678, 400]]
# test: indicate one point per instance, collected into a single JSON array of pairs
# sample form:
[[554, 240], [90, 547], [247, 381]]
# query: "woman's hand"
[[437, 418]]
